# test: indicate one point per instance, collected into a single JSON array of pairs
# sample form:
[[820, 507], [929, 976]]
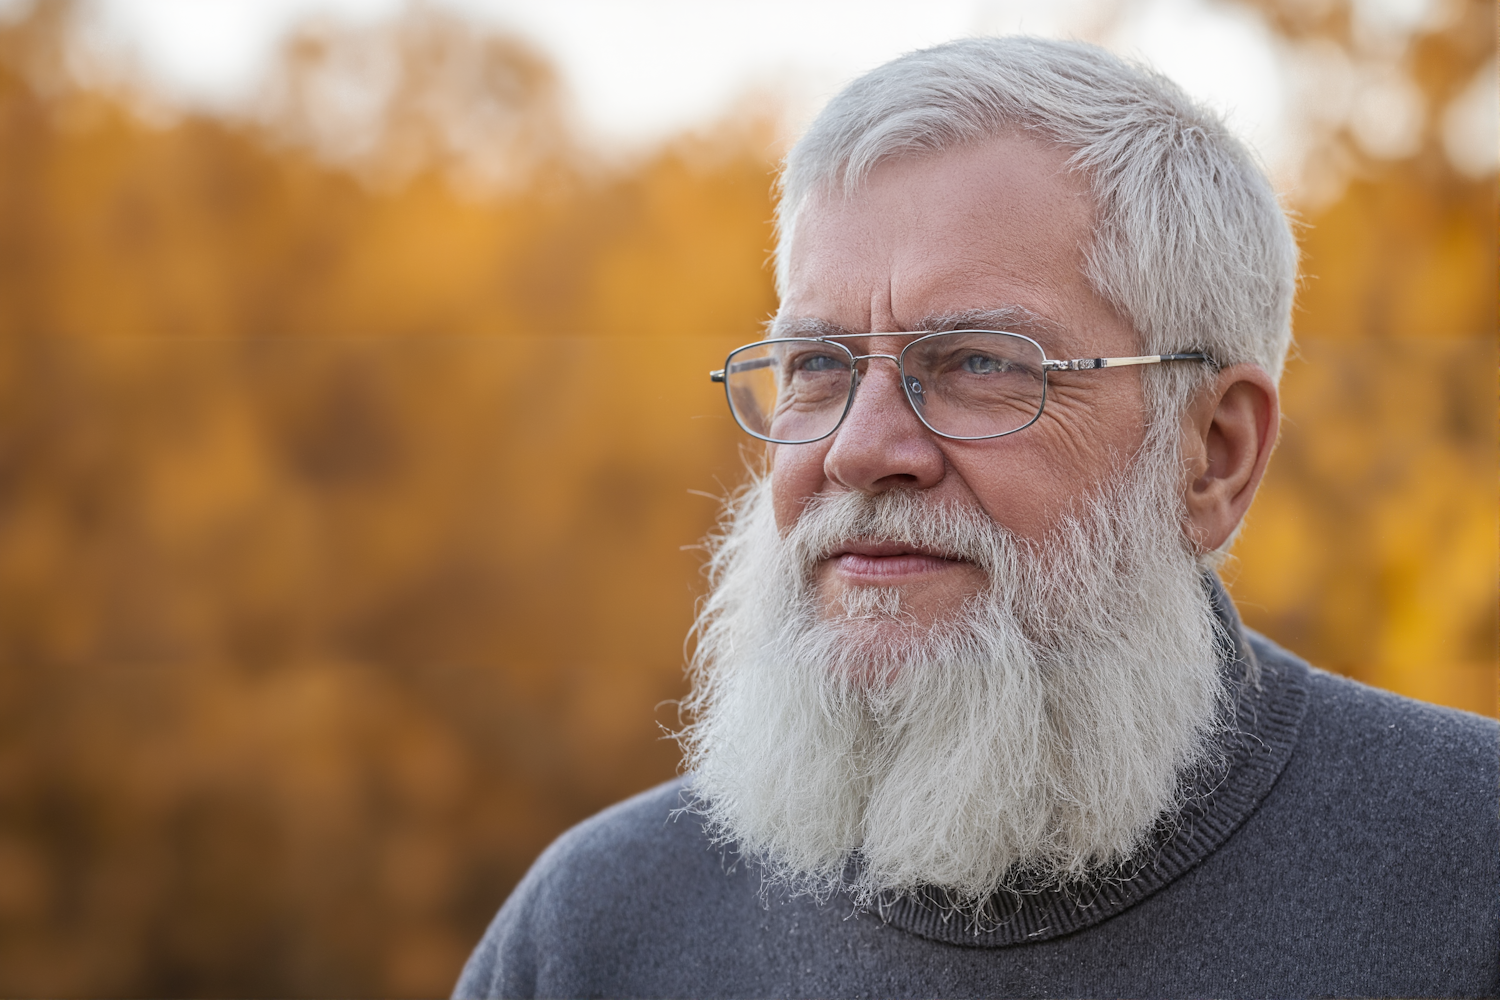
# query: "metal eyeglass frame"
[[1048, 365]]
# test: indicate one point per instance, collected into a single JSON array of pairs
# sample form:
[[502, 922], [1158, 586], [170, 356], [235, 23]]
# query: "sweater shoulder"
[[625, 828], [1392, 746], [605, 871], [1349, 703], [1342, 700]]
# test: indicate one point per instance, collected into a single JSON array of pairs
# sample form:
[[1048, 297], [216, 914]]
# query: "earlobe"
[[1228, 433]]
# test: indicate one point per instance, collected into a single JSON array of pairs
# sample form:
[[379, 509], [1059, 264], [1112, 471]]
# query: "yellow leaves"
[[1372, 548], [343, 533]]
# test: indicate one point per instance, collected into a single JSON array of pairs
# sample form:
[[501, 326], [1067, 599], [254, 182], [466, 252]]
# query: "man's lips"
[[886, 561]]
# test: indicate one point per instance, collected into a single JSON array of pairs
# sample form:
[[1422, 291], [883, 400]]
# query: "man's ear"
[[1227, 435]]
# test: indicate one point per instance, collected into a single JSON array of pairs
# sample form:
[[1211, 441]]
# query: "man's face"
[[995, 226]]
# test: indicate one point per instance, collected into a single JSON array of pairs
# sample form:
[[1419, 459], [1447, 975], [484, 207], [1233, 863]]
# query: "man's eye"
[[983, 364], [819, 363]]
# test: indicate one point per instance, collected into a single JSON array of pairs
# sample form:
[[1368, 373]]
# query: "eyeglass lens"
[[964, 384]]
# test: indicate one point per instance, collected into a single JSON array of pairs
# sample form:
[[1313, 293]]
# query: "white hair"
[[1190, 243], [1033, 737]]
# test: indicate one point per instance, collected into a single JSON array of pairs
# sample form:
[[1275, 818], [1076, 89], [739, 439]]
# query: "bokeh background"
[[354, 439]]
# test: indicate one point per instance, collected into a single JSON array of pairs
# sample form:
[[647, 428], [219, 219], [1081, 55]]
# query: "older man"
[[971, 713]]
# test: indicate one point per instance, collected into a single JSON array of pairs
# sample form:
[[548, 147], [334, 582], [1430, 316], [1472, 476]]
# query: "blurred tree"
[[1372, 548], [341, 503], [422, 93]]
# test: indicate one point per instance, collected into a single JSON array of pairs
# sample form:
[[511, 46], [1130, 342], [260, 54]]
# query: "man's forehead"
[[1010, 317]]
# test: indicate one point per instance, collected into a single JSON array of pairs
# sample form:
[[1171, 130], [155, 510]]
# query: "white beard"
[[1036, 737]]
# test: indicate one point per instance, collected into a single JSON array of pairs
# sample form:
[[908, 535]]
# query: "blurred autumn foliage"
[[1372, 548], [348, 453]]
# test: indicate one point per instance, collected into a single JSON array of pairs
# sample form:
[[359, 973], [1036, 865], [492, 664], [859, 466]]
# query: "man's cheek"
[[796, 477]]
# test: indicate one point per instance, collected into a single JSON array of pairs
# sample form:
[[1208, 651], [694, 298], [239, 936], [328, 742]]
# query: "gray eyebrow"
[[805, 326], [1013, 318]]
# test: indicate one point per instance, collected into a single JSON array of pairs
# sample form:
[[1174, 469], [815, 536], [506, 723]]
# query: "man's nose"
[[881, 445]]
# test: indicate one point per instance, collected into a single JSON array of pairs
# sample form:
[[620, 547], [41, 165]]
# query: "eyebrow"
[[1011, 318]]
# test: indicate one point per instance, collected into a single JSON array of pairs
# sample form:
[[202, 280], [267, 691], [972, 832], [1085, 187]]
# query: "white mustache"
[[832, 521]]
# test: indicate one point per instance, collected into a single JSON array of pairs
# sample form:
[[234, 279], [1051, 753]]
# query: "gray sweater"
[[1350, 846]]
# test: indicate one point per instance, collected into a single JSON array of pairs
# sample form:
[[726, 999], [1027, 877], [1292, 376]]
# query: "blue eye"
[[982, 364], [820, 363]]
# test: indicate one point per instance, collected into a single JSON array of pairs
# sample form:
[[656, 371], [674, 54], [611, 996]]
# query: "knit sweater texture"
[[1347, 844]]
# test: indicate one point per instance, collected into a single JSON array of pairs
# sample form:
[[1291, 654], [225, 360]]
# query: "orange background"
[[346, 502]]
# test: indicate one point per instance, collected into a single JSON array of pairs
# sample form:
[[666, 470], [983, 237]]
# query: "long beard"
[[1036, 736]]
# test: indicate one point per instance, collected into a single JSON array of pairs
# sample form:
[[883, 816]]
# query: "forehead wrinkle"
[[1011, 318]]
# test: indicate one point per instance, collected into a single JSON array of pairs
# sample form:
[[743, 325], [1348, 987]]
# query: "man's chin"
[[894, 611], [872, 655], [874, 636]]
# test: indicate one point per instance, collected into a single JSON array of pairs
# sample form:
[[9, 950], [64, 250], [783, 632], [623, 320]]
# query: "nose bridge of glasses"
[[866, 357], [861, 366], [905, 386]]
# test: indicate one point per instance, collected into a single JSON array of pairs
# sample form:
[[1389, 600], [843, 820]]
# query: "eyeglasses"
[[963, 384]]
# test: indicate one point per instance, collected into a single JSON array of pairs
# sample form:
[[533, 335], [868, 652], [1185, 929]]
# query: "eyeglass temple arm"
[[1076, 365], [1085, 364], [742, 366]]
